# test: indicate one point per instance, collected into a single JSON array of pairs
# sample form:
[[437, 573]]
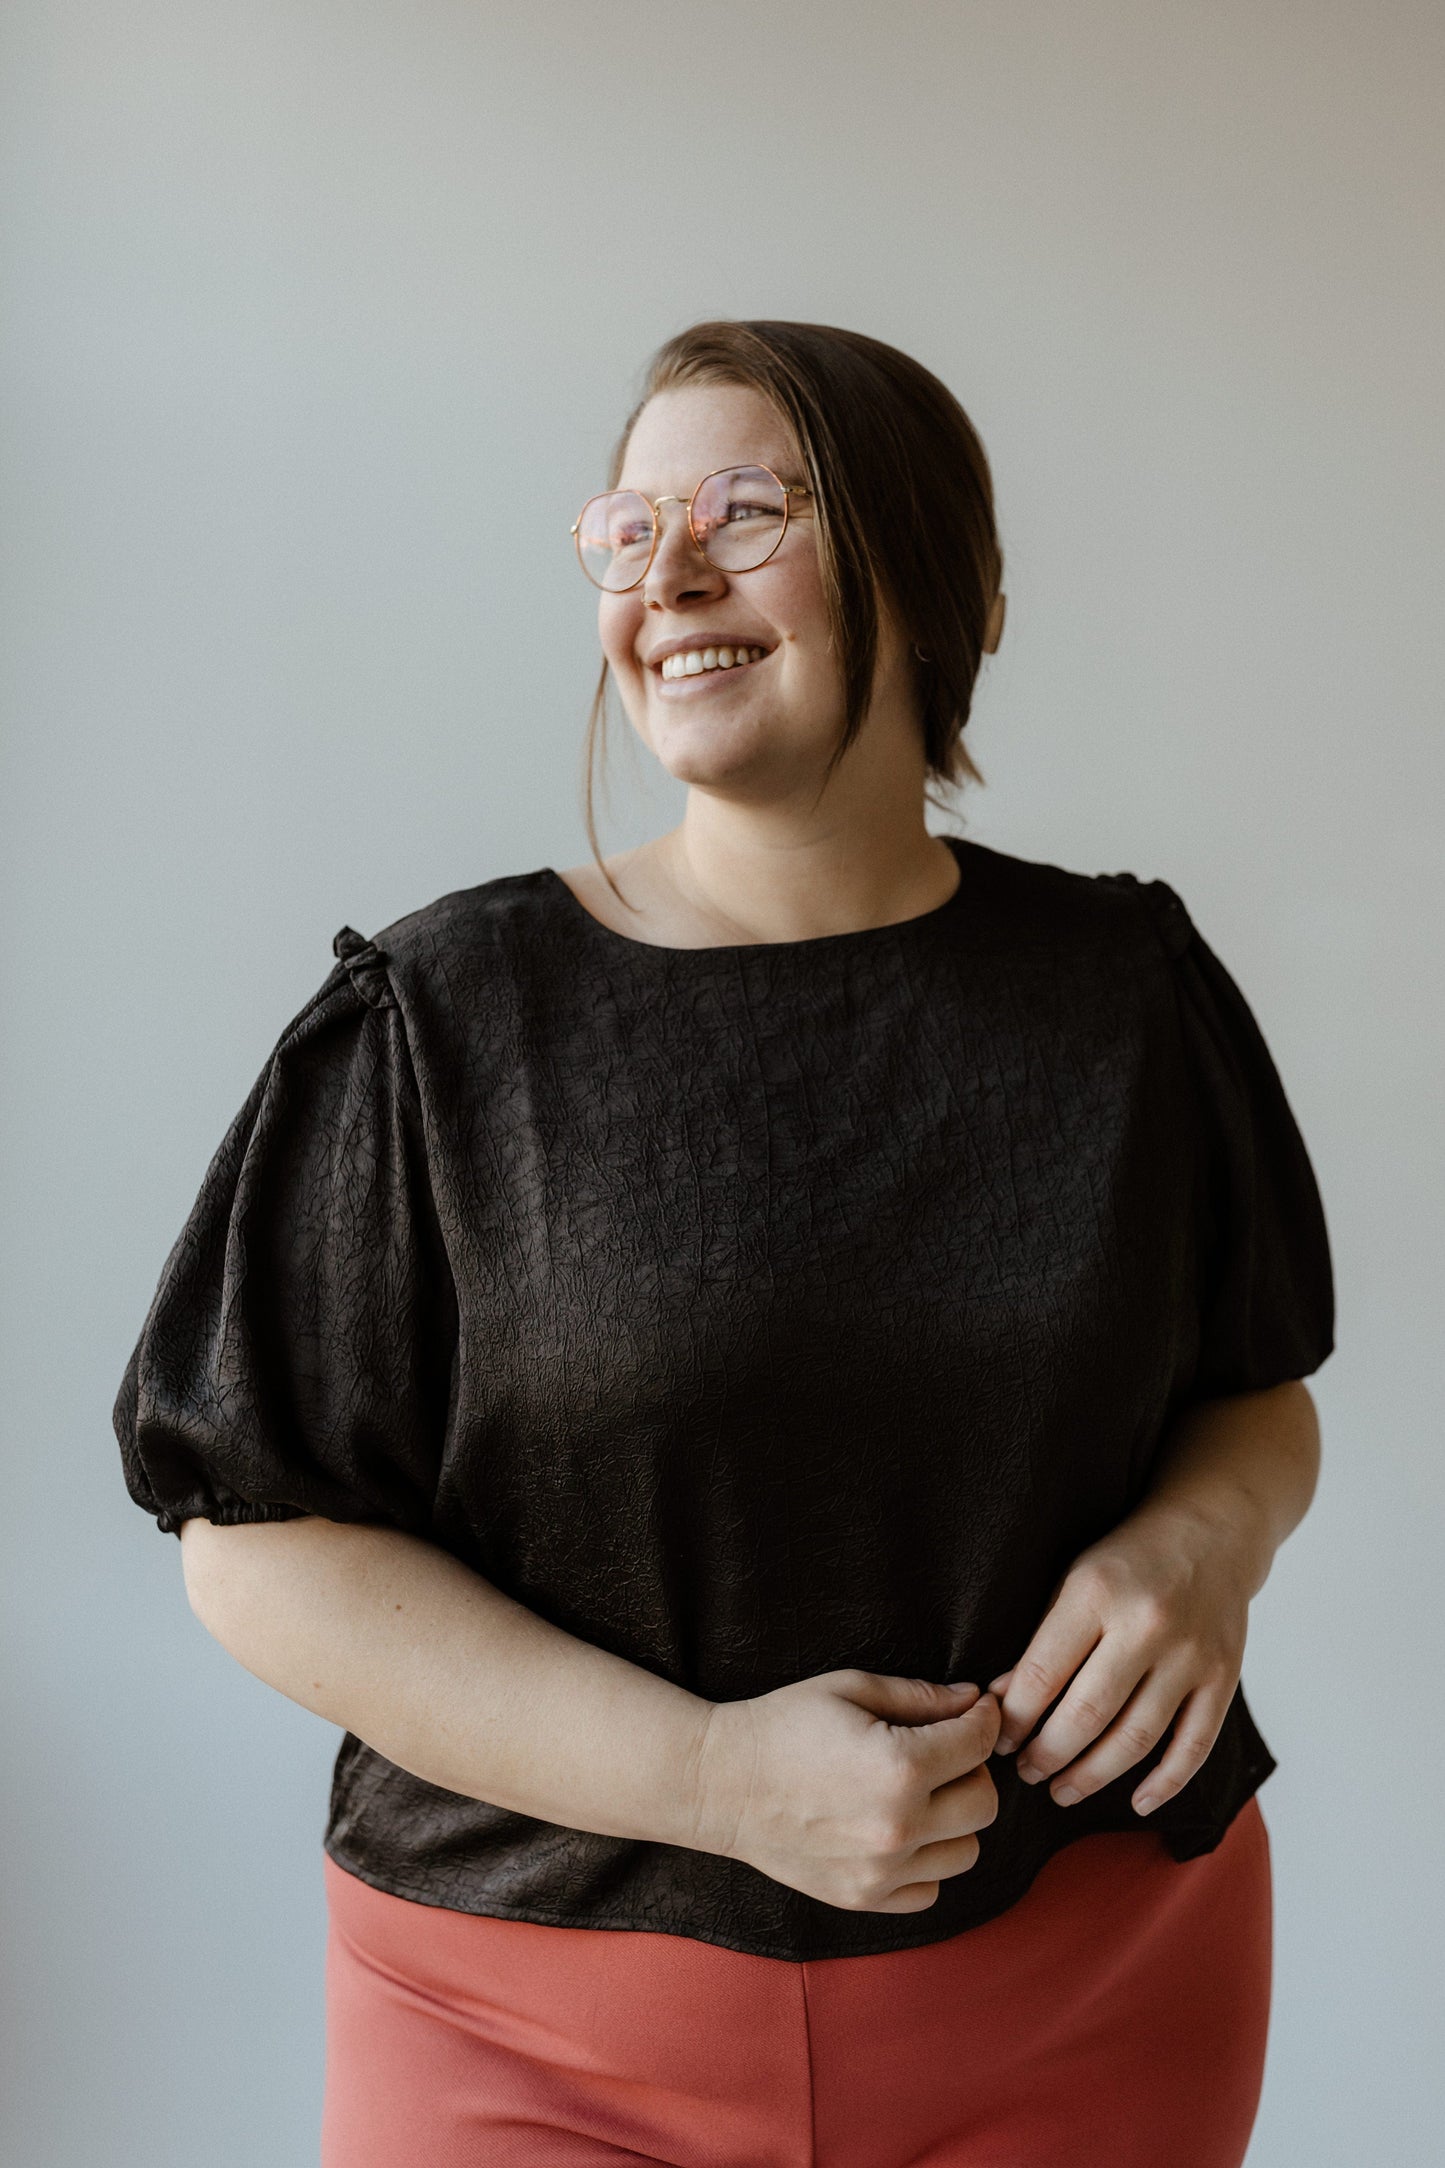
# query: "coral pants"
[[1114, 2017]]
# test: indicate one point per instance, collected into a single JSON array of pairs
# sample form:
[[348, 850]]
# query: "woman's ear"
[[994, 631]]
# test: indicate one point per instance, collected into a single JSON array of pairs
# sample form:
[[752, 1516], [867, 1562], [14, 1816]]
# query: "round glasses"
[[736, 516]]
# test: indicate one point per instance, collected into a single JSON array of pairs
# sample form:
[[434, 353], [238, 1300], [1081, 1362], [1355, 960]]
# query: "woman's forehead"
[[687, 432]]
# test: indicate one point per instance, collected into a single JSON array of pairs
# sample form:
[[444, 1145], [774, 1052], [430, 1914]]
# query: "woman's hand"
[[860, 1788], [1147, 1627]]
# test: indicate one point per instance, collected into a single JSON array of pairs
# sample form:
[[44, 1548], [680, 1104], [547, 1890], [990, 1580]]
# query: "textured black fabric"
[[747, 1311]]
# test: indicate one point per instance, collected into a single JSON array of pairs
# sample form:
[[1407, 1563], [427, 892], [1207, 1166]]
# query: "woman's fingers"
[[1141, 1722], [1095, 1698], [1138, 1726], [1200, 1720], [1064, 1639]]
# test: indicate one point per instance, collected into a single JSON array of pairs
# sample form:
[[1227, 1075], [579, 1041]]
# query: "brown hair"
[[903, 499]]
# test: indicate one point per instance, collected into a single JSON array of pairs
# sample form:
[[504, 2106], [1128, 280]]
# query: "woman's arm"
[[397, 1641], [1149, 1624], [861, 1789]]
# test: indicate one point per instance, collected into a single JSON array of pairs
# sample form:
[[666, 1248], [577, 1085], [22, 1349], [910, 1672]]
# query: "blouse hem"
[[242, 1514], [1004, 1898]]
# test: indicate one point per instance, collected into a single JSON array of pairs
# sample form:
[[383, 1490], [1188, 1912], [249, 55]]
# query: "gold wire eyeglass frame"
[[789, 490]]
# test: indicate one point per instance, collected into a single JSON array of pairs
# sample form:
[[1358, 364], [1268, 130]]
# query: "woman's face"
[[762, 728]]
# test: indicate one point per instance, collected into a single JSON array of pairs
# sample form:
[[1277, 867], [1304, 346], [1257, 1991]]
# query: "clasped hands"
[[868, 1789], [854, 1787]]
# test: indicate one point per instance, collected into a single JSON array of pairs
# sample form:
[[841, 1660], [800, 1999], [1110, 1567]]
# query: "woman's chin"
[[708, 767], [696, 748]]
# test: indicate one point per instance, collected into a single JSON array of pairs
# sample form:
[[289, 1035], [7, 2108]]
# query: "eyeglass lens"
[[738, 517]]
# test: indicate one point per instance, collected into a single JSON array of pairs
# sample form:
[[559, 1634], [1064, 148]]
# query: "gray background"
[[296, 296]]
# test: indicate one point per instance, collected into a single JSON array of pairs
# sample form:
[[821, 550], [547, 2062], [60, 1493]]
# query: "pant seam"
[[812, 2078]]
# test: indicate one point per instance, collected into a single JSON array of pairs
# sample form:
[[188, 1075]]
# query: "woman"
[[757, 1382]]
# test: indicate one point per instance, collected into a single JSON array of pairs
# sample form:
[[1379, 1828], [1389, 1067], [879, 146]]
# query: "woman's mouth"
[[696, 662]]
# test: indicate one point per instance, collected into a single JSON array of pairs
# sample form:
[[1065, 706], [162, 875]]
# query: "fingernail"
[[1145, 1806], [1029, 1775], [1066, 1795], [1006, 1746]]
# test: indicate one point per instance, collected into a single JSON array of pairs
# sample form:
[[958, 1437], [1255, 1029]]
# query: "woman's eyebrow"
[[645, 489]]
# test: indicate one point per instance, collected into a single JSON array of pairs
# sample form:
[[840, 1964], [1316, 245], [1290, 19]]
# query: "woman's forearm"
[[397, 1641], [1247, 1464]]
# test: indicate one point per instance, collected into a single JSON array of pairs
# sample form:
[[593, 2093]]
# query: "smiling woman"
[[901, 549], [640, 1362]]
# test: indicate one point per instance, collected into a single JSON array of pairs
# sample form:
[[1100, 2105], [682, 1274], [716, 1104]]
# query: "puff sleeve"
[[297, 1354], [1266, 1288]]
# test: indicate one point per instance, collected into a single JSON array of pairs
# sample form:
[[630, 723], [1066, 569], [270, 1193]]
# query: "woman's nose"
[[679, 567]]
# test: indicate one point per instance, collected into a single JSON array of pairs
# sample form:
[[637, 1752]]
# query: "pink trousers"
[[1114, 2017]]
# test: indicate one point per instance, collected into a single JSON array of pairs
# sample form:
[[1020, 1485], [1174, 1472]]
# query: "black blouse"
[[747, 1311]]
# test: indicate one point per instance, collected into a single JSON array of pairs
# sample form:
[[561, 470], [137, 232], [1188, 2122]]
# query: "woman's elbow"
[[220, 1566], [203, 1566]]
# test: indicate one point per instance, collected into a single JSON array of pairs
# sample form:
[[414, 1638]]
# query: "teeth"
[[695, 660]]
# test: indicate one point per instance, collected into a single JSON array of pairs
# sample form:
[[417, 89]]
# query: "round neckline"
[[734, 949]]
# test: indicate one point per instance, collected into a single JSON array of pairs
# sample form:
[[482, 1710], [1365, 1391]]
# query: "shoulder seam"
[[351, 997], [365, 965], [336, 996], [1167, 914]]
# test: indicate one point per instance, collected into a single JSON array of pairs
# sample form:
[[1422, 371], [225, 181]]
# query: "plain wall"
[[318, 323]]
